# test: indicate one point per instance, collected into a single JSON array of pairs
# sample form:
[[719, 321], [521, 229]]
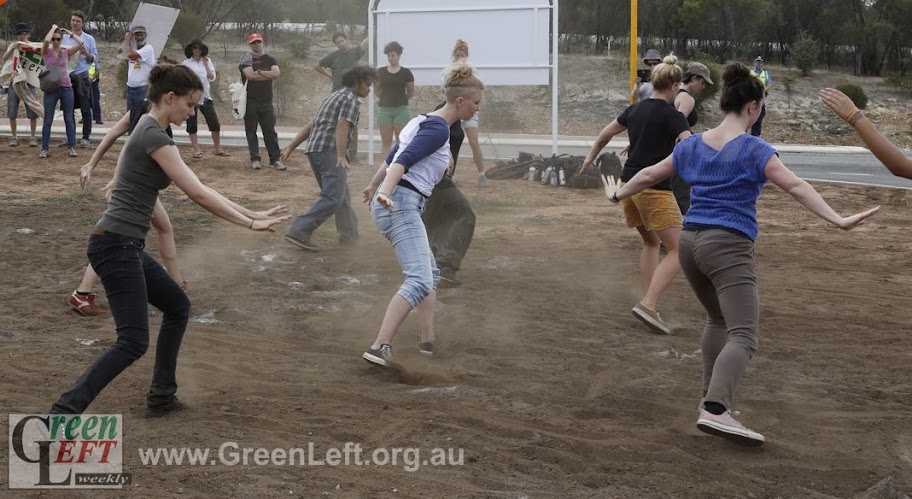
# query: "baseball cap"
[[700, 69], [758, 59], [23, 28], [138, 29], [254, 37]]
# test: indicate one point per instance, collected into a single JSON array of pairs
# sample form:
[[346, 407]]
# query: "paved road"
[[854, 165]]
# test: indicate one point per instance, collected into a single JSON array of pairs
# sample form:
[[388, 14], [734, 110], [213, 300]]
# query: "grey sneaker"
[[301, 243], [380, 356], [163, 410], [651, 318], [72, 152], [84, 143], [426, 348], [726, 426], [14, 142], [482, 180], [255, 164], [278, 165], [43, 153], [33, 142]]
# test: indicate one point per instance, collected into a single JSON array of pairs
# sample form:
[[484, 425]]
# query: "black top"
[[692, 117], [653, 126], [258, 90], [392, 86]]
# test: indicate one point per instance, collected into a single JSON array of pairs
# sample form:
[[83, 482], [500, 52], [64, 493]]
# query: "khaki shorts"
[[652, 209]]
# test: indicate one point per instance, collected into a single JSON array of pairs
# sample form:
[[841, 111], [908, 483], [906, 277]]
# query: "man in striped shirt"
[[332, 131]]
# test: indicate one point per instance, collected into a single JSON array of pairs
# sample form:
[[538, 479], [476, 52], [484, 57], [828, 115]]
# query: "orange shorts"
[[652, 209]]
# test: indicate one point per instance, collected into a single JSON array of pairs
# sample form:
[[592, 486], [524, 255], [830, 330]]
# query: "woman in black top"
[[396, 86]]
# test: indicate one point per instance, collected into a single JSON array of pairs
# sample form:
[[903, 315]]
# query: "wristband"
[[851, 115], [859, 115], [251, 224]]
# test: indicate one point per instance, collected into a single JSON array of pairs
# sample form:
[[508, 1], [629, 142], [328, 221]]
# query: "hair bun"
[[670, 59], [734, 73]]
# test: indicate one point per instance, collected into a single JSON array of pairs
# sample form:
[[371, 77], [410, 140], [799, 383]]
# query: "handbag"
[[49, 79], [238, 100]]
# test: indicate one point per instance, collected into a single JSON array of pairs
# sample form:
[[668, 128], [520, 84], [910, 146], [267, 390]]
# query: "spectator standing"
[[259, 69]]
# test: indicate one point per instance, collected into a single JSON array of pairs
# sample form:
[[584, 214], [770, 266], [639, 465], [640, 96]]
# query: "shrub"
[[902, 83], [805, 51], [855, 93], [285, 88]]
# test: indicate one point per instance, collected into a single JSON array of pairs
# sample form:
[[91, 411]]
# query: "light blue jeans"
[[64, 95], [405, 230]]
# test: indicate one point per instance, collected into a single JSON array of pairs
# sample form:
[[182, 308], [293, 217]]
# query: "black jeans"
[[262, 113], [132, 279], [83, 100], [450, 223]]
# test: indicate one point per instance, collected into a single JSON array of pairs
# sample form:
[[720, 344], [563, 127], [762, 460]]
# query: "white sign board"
[[158, 22], [509, 40]]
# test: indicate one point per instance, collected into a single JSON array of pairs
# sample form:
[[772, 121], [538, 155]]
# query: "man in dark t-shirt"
[[258, 69], [338, 63]]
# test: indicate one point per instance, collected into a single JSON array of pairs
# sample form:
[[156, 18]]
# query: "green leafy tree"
[[805, 52]]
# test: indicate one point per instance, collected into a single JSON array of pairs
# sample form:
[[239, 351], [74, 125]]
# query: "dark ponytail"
[[739, 87]]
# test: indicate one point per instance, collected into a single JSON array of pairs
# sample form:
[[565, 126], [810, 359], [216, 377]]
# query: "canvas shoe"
[[72, 152], [84, 143], [726, 426], [43, 153], [255, 164], [448, 278], [14, 142], [158, 411], [380, 356], [651, 319], [33, 142], [278, 165], [301, 243], [482, 180], [426, 348], [84, 304]]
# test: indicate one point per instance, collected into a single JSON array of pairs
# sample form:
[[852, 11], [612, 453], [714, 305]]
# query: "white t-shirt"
[[139, 69], [199, 67]]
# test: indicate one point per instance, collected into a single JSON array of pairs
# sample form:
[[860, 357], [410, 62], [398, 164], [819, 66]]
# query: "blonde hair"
[[460, 45], [667, 73], [460, 81]]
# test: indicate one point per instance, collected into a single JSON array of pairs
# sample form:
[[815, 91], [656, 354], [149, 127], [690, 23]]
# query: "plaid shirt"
[[340, 105]]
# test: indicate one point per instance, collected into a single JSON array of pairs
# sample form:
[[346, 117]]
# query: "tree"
[[805, 52]]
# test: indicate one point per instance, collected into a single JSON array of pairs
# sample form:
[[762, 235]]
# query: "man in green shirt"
[[338, 63]]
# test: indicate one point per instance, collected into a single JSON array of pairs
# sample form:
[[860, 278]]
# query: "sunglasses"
[[56, 39], [256, 41]]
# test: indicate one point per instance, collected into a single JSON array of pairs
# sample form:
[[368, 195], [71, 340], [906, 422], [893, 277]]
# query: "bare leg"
[[34, 127], [386, 135], [88, 280], [472, 135], [649, 257], [426, 310], [217, 142], [13, 127], [667, 269], [194, 141], [396, 312]]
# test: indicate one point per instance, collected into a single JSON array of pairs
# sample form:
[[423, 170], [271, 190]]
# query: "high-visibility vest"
[[762, 75]]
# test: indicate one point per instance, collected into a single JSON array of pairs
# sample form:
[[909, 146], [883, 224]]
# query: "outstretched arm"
[[303, 135], [810, 198], [167, 248], [888, 154], [119, 128], [603, 139], [644, 179]]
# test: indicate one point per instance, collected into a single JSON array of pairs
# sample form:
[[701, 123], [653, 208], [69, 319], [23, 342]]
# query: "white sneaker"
[[726, 426], [482, 180]]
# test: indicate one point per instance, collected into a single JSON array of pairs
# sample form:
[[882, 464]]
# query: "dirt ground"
[[544, 378]]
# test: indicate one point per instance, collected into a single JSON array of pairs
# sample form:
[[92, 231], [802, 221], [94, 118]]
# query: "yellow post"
[[633, 45]]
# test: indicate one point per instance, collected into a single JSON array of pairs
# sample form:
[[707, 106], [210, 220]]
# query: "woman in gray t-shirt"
[[148, 163]]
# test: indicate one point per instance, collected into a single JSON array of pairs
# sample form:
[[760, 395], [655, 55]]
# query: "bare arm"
[[603, 139], [390, 181], [80, 44], [647, 177], [272, 73], [252, 75], [342, 129], [119, 128], [169, 159], [167, 248], [802, 191], [303, 135], [684, 103], [47, 39], [364, 43], [9, 51], [888, 154], [368, 192], [320, 69]]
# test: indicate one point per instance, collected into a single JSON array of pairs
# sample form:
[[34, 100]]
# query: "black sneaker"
[[380, 356], [426, 348], [165, 409], [301, 243]]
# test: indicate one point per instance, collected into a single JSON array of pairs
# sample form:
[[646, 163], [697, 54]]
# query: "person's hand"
[[343, 162], [625, 150], [585, 167], [849, 223], [385, 201], [368, 193], [638, 81], [838, 102], [108, 189], [285, 154], [611, 187], [275, 210], [128, 36], [267, 225], [85, 174]]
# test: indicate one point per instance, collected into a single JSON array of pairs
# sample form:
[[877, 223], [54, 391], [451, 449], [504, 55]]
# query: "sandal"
[[197, 155], [222, 153]]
